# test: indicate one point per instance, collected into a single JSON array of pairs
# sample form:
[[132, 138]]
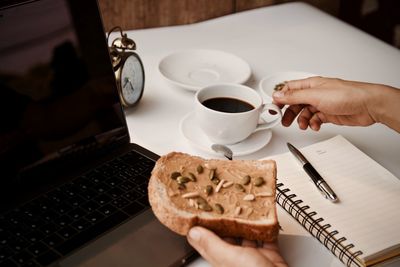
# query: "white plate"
[[197, 68], [195, 136], [268, 84]]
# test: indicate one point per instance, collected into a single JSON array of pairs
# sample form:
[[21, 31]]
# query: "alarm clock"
[[128, 68]]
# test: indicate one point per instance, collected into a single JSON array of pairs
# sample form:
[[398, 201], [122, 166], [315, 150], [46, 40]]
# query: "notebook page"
[[367, 213]]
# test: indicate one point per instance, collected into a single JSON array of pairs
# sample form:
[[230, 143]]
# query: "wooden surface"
[[138, 14]]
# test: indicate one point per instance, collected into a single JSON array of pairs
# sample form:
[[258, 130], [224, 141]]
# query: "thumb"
[[211, 247]]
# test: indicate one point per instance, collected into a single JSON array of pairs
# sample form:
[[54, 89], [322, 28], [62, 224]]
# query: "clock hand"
[[131, 84], [126, 80]]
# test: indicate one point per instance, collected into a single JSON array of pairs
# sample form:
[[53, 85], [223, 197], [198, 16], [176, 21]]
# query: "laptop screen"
[[58, 95]]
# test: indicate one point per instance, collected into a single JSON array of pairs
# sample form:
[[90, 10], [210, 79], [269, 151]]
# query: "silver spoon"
[[224, 150]]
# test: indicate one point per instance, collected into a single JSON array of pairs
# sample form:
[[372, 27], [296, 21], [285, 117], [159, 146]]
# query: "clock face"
[[132, 79]]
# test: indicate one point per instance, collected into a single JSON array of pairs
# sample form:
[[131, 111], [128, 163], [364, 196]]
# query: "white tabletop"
[[285, 37]]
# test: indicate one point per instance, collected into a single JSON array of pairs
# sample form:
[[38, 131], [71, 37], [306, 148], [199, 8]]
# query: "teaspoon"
[[224, 150]]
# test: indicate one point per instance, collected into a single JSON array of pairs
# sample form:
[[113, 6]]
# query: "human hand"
[[319, 100], [221, 253]]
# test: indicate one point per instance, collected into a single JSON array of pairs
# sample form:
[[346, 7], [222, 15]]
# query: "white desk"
[[286, 37]]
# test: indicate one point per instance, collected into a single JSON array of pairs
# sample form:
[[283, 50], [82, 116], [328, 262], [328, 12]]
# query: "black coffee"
[[227, 104]]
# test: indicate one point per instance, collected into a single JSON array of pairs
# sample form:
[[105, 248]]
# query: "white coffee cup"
[[225, 119]]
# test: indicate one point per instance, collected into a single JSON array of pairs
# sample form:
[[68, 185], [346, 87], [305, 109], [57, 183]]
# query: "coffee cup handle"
[[276, 118]]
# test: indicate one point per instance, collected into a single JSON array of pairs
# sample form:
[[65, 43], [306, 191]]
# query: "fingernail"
[[194, 234], [278, 94]]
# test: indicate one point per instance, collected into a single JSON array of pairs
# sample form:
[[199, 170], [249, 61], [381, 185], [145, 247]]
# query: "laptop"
[[73, 189]]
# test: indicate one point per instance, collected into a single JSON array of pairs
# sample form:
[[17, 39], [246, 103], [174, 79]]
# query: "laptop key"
[[67, 232], [34, 236], [49, 228], [96, 178], [90, 206], [94, 217], [138, 168], [5, 238], [113, 181], [81, 224], [76, 201], [132, 195], [18, 244], [57, 196], [107, 170], [102, 199], [63, 208], [53, 240], [115, 192], [63, 220], [120, 202], [129, 172], [20, 232], [127, 186], [50, 215], [100, 188], [89, 194], [15, 220], [92, 232], [107, 209], [142, 188], [83, 184], [22, 257], [77, 213], [71, 189], [45, 204], [31, 210], [33, 225], [123, 175], [38, 248]]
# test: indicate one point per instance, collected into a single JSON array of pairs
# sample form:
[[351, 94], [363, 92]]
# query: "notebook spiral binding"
[[316, 227]]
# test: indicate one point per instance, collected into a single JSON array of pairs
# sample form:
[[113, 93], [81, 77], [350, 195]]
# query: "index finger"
[[302, 83], [297, 85]]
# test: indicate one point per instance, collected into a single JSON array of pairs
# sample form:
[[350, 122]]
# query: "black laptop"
[[73, 189]]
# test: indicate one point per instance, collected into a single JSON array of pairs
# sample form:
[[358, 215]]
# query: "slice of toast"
[[232, 198]]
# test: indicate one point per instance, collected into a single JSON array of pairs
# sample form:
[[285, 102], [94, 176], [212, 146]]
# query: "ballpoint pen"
[[319, 182]]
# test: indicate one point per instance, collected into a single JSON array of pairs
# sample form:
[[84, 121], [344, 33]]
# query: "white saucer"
[[268, 84], [197, 68], [195, 136]]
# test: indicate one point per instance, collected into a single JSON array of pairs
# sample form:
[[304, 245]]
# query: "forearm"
[[385, 106]]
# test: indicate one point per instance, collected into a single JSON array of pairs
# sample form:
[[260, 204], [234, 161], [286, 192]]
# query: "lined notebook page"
[[368, 212]]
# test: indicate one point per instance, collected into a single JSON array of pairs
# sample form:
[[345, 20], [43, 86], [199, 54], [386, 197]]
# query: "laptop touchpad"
[[142, 241]]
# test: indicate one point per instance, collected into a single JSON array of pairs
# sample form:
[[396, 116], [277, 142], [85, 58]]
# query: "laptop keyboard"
[[69, 216]]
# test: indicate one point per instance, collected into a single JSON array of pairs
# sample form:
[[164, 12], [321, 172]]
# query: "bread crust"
[[180, 221]]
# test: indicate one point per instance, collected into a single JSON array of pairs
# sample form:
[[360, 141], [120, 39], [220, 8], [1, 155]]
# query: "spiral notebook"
[[362, 229]]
